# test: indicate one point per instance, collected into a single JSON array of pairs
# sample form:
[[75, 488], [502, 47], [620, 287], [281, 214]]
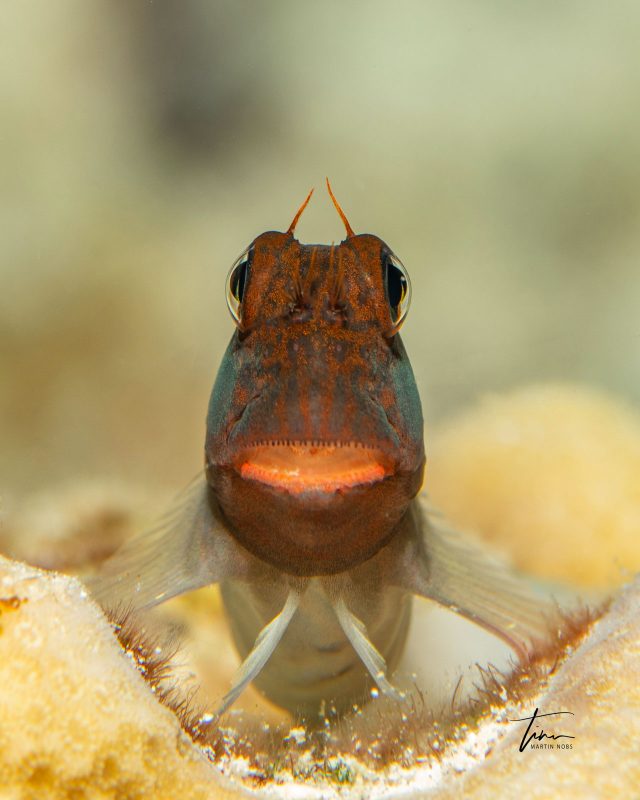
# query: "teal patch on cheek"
[[222, 392], [407, 396]]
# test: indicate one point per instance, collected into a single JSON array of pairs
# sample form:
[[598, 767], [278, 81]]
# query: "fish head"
[[314, 446]]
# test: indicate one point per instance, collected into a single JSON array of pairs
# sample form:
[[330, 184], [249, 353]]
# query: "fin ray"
[[356, 632], [455, 571], [186, 549], [266, 642]]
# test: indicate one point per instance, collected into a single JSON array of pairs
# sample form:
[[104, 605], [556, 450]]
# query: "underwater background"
[[495, 147]]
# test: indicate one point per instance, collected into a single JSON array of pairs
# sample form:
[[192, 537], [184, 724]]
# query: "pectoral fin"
[[453, 570], [188, 548]]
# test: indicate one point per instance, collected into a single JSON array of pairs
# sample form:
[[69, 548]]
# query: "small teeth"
[[308, 443]]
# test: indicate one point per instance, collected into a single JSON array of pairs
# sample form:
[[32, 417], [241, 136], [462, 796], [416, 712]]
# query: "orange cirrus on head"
[[299, 467]]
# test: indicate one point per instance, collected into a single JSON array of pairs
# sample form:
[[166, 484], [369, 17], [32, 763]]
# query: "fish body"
[[308, 512], [315, 661]]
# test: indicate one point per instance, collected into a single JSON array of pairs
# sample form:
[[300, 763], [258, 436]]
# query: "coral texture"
[[600, 685], [76, 719]]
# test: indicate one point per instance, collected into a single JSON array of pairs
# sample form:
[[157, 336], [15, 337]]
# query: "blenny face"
[[314, 443]]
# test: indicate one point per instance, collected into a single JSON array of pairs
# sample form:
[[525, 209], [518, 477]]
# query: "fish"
[[309, 512]]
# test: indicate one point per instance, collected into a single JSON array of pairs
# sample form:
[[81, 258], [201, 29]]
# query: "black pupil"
[[396, 285], [238, 280]]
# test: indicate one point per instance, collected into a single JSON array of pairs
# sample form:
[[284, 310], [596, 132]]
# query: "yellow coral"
[[550, 474], [76, 719], [600, 685]]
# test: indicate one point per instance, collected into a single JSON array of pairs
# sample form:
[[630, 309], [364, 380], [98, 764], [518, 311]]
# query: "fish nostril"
[[335, 311], [298, 312]]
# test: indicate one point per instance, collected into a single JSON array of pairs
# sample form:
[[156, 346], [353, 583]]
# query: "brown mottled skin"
[[316, 359]]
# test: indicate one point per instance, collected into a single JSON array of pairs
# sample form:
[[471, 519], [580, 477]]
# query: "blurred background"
[[494, 146]]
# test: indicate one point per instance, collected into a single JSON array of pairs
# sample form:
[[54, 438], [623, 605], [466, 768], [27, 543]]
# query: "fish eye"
[[398, 288], [237, 282]]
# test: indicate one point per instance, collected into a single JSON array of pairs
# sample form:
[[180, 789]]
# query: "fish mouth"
[[298, 467]]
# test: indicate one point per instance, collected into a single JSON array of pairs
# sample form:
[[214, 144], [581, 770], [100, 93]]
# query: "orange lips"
[[303, 467]]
